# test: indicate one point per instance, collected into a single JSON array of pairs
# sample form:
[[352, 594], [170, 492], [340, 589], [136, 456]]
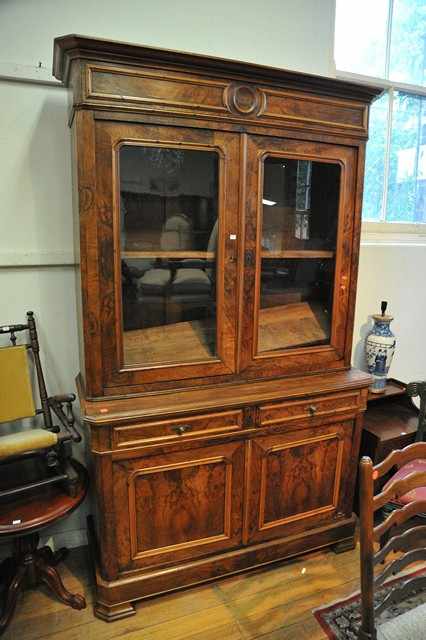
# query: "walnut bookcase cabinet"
[[217, 218]]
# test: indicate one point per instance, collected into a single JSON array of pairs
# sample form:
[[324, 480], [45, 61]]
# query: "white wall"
[[296, 34], [396, 273], [36, 256]]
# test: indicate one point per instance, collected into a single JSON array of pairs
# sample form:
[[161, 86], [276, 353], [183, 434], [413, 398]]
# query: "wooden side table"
[[390, 422], [21, 519]]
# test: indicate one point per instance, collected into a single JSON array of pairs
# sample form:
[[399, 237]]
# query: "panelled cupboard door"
[[297, 255], [167, 239], [178, 506], [296, 479]]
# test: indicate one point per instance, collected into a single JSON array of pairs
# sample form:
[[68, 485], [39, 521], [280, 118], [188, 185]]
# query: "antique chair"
[[39, 481], [408, 536], [51, 443]]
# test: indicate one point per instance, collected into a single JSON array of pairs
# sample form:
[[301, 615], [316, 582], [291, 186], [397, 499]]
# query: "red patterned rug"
[[341, 620]]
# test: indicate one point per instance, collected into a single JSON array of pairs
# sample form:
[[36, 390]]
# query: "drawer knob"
[[312, 409], [182, 428]]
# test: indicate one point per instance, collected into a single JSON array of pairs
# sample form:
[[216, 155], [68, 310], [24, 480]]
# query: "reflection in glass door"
[[299, 229], [169, 235]]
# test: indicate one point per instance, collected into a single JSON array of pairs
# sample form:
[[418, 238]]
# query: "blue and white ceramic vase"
[[380, 347]]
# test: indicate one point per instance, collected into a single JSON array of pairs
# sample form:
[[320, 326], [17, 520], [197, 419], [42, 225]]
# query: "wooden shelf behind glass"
[[210, 255], [205, 255], [193, 340], [296, 253], [280, 327]]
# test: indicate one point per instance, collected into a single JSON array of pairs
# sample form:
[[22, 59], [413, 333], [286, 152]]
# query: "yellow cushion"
[[29, 440], [16, 396]]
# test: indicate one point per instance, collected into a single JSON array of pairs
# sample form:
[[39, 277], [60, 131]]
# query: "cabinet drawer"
[[174, 429], [311, 408]]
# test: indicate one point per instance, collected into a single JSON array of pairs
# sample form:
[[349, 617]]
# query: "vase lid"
[[377, 317]]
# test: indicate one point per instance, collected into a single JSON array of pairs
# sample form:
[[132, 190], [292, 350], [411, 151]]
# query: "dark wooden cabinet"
[[217, 220], [390, 422]]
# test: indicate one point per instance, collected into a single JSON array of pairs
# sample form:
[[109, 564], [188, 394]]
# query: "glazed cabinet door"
[[167, 243], [297, 479], [299, 266], [178, 506]]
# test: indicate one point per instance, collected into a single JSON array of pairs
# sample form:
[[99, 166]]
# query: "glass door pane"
[[169, 230], [300, 203]]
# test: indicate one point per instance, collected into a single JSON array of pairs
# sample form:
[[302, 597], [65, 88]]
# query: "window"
[[384, 42]]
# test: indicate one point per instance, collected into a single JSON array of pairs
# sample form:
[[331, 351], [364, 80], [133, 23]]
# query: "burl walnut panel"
[[179, 505], [302, 459], [150, 87], [296, 479]]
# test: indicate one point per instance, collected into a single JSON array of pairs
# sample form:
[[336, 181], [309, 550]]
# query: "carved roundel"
[[244, 99]]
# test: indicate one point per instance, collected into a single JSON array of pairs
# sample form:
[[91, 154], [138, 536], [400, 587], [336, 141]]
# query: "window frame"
[[383, 231]]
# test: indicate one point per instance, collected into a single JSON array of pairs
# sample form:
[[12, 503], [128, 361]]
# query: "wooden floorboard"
[[272, 603]]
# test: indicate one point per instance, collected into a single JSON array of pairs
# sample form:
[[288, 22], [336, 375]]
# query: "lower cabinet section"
[[178, 505], [244, 487], [187, 504], [295, 479]]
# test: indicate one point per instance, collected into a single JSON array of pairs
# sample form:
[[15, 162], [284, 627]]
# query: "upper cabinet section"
[[218, 213], [119, 76]]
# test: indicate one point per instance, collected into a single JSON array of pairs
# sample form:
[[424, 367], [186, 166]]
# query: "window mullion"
[[383, 211], [388, 39], [418, 146]]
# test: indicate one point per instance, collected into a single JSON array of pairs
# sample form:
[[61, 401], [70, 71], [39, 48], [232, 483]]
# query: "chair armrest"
[[66, 419], [65, 397]]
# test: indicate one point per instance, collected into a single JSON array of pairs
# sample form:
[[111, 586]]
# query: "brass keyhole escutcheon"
[[181, 429]]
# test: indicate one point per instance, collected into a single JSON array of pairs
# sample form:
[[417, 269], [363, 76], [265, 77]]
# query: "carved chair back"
[[51, 442], [411, 541], [33, 346]]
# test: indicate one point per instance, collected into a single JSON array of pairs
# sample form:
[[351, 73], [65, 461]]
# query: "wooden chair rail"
[[400, 457], [406, 541], [415, 555], [398, 517], [399, 488], [412, 541], [401, 593]]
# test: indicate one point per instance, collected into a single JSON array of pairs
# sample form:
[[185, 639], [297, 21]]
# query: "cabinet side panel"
[[77, 250], [84, 190], [106, 516]]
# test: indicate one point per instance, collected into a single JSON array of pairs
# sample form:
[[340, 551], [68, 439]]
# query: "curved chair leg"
[[11, 597], [50, 576]]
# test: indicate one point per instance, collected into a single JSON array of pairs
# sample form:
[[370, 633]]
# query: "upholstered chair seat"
[[415, 494]]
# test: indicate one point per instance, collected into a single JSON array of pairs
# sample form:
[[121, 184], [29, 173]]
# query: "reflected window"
[[299, 229]]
